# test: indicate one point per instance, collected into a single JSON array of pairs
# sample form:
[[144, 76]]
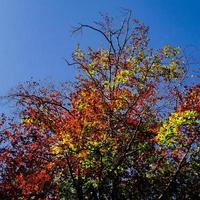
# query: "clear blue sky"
[[35, 34]]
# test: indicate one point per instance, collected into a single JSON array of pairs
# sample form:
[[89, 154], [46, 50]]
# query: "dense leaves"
[[115, 135]]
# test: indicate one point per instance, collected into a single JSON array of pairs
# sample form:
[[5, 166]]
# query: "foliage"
[[107, 138]]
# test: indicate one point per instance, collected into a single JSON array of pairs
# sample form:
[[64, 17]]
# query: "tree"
[[115, 135]]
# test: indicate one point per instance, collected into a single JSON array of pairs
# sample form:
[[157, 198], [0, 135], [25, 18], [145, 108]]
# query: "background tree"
[[125, 131]]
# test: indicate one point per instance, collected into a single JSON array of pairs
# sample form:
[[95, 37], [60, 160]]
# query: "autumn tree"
[[127, 129]]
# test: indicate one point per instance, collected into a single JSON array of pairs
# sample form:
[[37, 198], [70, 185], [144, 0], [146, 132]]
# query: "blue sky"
[[35, 34]]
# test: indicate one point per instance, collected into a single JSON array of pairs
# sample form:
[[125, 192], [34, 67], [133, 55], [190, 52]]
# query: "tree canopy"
[[128, 128]]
